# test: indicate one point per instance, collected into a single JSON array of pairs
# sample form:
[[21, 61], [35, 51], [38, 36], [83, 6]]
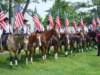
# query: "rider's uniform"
[[8, 30]]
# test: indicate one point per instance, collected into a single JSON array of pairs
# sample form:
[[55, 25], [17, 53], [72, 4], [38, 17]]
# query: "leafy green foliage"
[[21, 1], [97, 3], [4, 6], [63, 6]]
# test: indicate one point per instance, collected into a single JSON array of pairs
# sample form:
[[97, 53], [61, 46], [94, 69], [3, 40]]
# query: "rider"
[[85, 28], [8, 30], [90, 27], [1, 31], [78, 28], [25, 29], [73, 30], [62, 30], [98, 38]]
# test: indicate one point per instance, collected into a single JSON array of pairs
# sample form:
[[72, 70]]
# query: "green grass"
[[86, 63]]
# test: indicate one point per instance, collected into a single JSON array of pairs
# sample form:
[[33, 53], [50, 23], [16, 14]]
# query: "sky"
[[43, 6]]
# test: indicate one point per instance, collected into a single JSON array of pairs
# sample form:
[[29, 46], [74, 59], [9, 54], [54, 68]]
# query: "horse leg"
[[56, 52], [28, 48], [11, 58], [32, 54], [1, 46], [43, 52], [26, 52], [16, 59], [73, 46], [71, 51], [81, 47], [78, 46], [86, 45], [19, 54], [90, 44], [66, 49], [60, 47], [48, 50]]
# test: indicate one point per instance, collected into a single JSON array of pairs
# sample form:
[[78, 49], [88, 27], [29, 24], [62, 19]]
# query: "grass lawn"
[[86, 63]]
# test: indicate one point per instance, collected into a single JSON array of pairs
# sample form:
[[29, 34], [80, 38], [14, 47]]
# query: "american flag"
[[37, 23], [81, 23], [94, 24], [98, 20], [19, 17], [2, 17], [66, 20], [50, 21], [74, 25], [2, 23], [58, 22]]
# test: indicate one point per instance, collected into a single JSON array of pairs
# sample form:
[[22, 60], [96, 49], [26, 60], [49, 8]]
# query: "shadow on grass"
[[4, 64]]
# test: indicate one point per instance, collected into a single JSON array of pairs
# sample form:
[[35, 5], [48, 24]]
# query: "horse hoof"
[[26, 61], [16, 62], [56, 56], [66, 53], [31, 62], [43, 61]]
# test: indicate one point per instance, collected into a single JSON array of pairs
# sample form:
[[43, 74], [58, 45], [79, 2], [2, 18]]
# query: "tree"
[[4, 6], [63, 6], [97, 3]]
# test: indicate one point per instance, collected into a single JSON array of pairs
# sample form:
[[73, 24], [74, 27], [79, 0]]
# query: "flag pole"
[[13, 1]]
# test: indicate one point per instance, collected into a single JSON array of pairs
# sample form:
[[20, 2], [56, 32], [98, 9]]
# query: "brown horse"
[[12, 48], [76, 41], [31, 46], [92, 36], [42, 40], [46, 37], [65, 41], [8, 44], [15, 43]]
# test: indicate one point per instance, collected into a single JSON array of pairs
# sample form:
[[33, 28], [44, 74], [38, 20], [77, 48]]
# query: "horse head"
[[55, 33]]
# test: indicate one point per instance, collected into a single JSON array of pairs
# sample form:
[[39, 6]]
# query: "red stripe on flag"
[[98, 20], [58, 22], [37, 22], [74, 25], [2, 16], [66, 22], [18, 20], [94, 24], [2, 23], [51, 22], [82, 24]]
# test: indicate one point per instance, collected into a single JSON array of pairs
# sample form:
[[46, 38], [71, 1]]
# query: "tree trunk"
[[10, 10], [98, 10], [25, 8]]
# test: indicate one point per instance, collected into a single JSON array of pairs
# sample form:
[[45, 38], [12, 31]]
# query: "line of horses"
[[72, 42]]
